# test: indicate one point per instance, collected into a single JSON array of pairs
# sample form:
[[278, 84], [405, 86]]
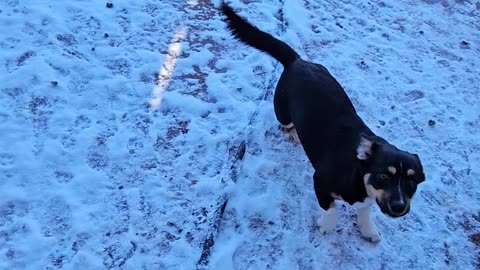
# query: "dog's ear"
[[366, 147], [422, 174]]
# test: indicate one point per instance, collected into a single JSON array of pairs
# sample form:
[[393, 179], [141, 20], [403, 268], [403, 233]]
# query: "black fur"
[[327, 124], [262, 41]]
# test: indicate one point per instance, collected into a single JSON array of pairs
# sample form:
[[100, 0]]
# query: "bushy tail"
[[258, 39]]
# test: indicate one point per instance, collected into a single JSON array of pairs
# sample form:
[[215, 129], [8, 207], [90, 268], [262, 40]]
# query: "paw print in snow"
[[6, 159]]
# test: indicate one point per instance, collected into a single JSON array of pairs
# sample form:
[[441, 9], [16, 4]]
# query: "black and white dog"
[[351, 163]]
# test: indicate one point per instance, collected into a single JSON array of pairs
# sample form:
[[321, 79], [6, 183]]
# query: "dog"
[[351, 163]]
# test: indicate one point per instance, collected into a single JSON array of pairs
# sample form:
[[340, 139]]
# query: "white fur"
[[364, 148], [293, 133], [328, 220], [288, 126], [366, 203], [336, 196], [367, 229]]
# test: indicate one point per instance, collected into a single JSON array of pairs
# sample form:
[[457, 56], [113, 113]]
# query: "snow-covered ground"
[[121, 127]]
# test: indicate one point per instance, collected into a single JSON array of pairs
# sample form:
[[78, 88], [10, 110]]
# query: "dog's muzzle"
[[398, 208], [395, 208]]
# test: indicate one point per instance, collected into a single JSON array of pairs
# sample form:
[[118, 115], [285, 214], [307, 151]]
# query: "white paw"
[[367, 229], [294, 136], [292, 133], [327, 221], [369, 232]]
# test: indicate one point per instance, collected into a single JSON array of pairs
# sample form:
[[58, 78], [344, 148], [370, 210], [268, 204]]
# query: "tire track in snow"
[[268, 86], [271, 250]]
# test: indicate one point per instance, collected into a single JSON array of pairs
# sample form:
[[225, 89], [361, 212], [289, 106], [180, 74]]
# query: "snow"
[[104, 164]]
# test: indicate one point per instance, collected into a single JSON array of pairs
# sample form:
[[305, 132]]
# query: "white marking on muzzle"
[[400, 194]]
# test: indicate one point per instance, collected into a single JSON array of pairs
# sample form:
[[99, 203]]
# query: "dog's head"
[[393, 175]]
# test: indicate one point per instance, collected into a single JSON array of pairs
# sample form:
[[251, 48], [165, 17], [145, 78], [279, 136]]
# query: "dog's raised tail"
[[258, 39]]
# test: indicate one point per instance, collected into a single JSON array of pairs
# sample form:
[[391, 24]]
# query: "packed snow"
[[122, 123]]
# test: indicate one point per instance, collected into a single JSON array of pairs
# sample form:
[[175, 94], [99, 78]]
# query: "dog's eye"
[[383, 177]]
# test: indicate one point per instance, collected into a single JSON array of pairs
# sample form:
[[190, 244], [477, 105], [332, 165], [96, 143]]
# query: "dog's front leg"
[[328, 219], [367, 229]]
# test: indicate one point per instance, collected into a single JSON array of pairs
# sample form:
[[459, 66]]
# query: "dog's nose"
[[398, 207]]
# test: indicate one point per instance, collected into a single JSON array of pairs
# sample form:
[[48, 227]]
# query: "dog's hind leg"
[[283, 114], [329, 217], [280, 103], [292, 132]]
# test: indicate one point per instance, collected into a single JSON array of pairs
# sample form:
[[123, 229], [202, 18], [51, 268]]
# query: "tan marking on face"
[[368, 187], [366, 177], [392, 170], [410, 172], [378, 194]]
